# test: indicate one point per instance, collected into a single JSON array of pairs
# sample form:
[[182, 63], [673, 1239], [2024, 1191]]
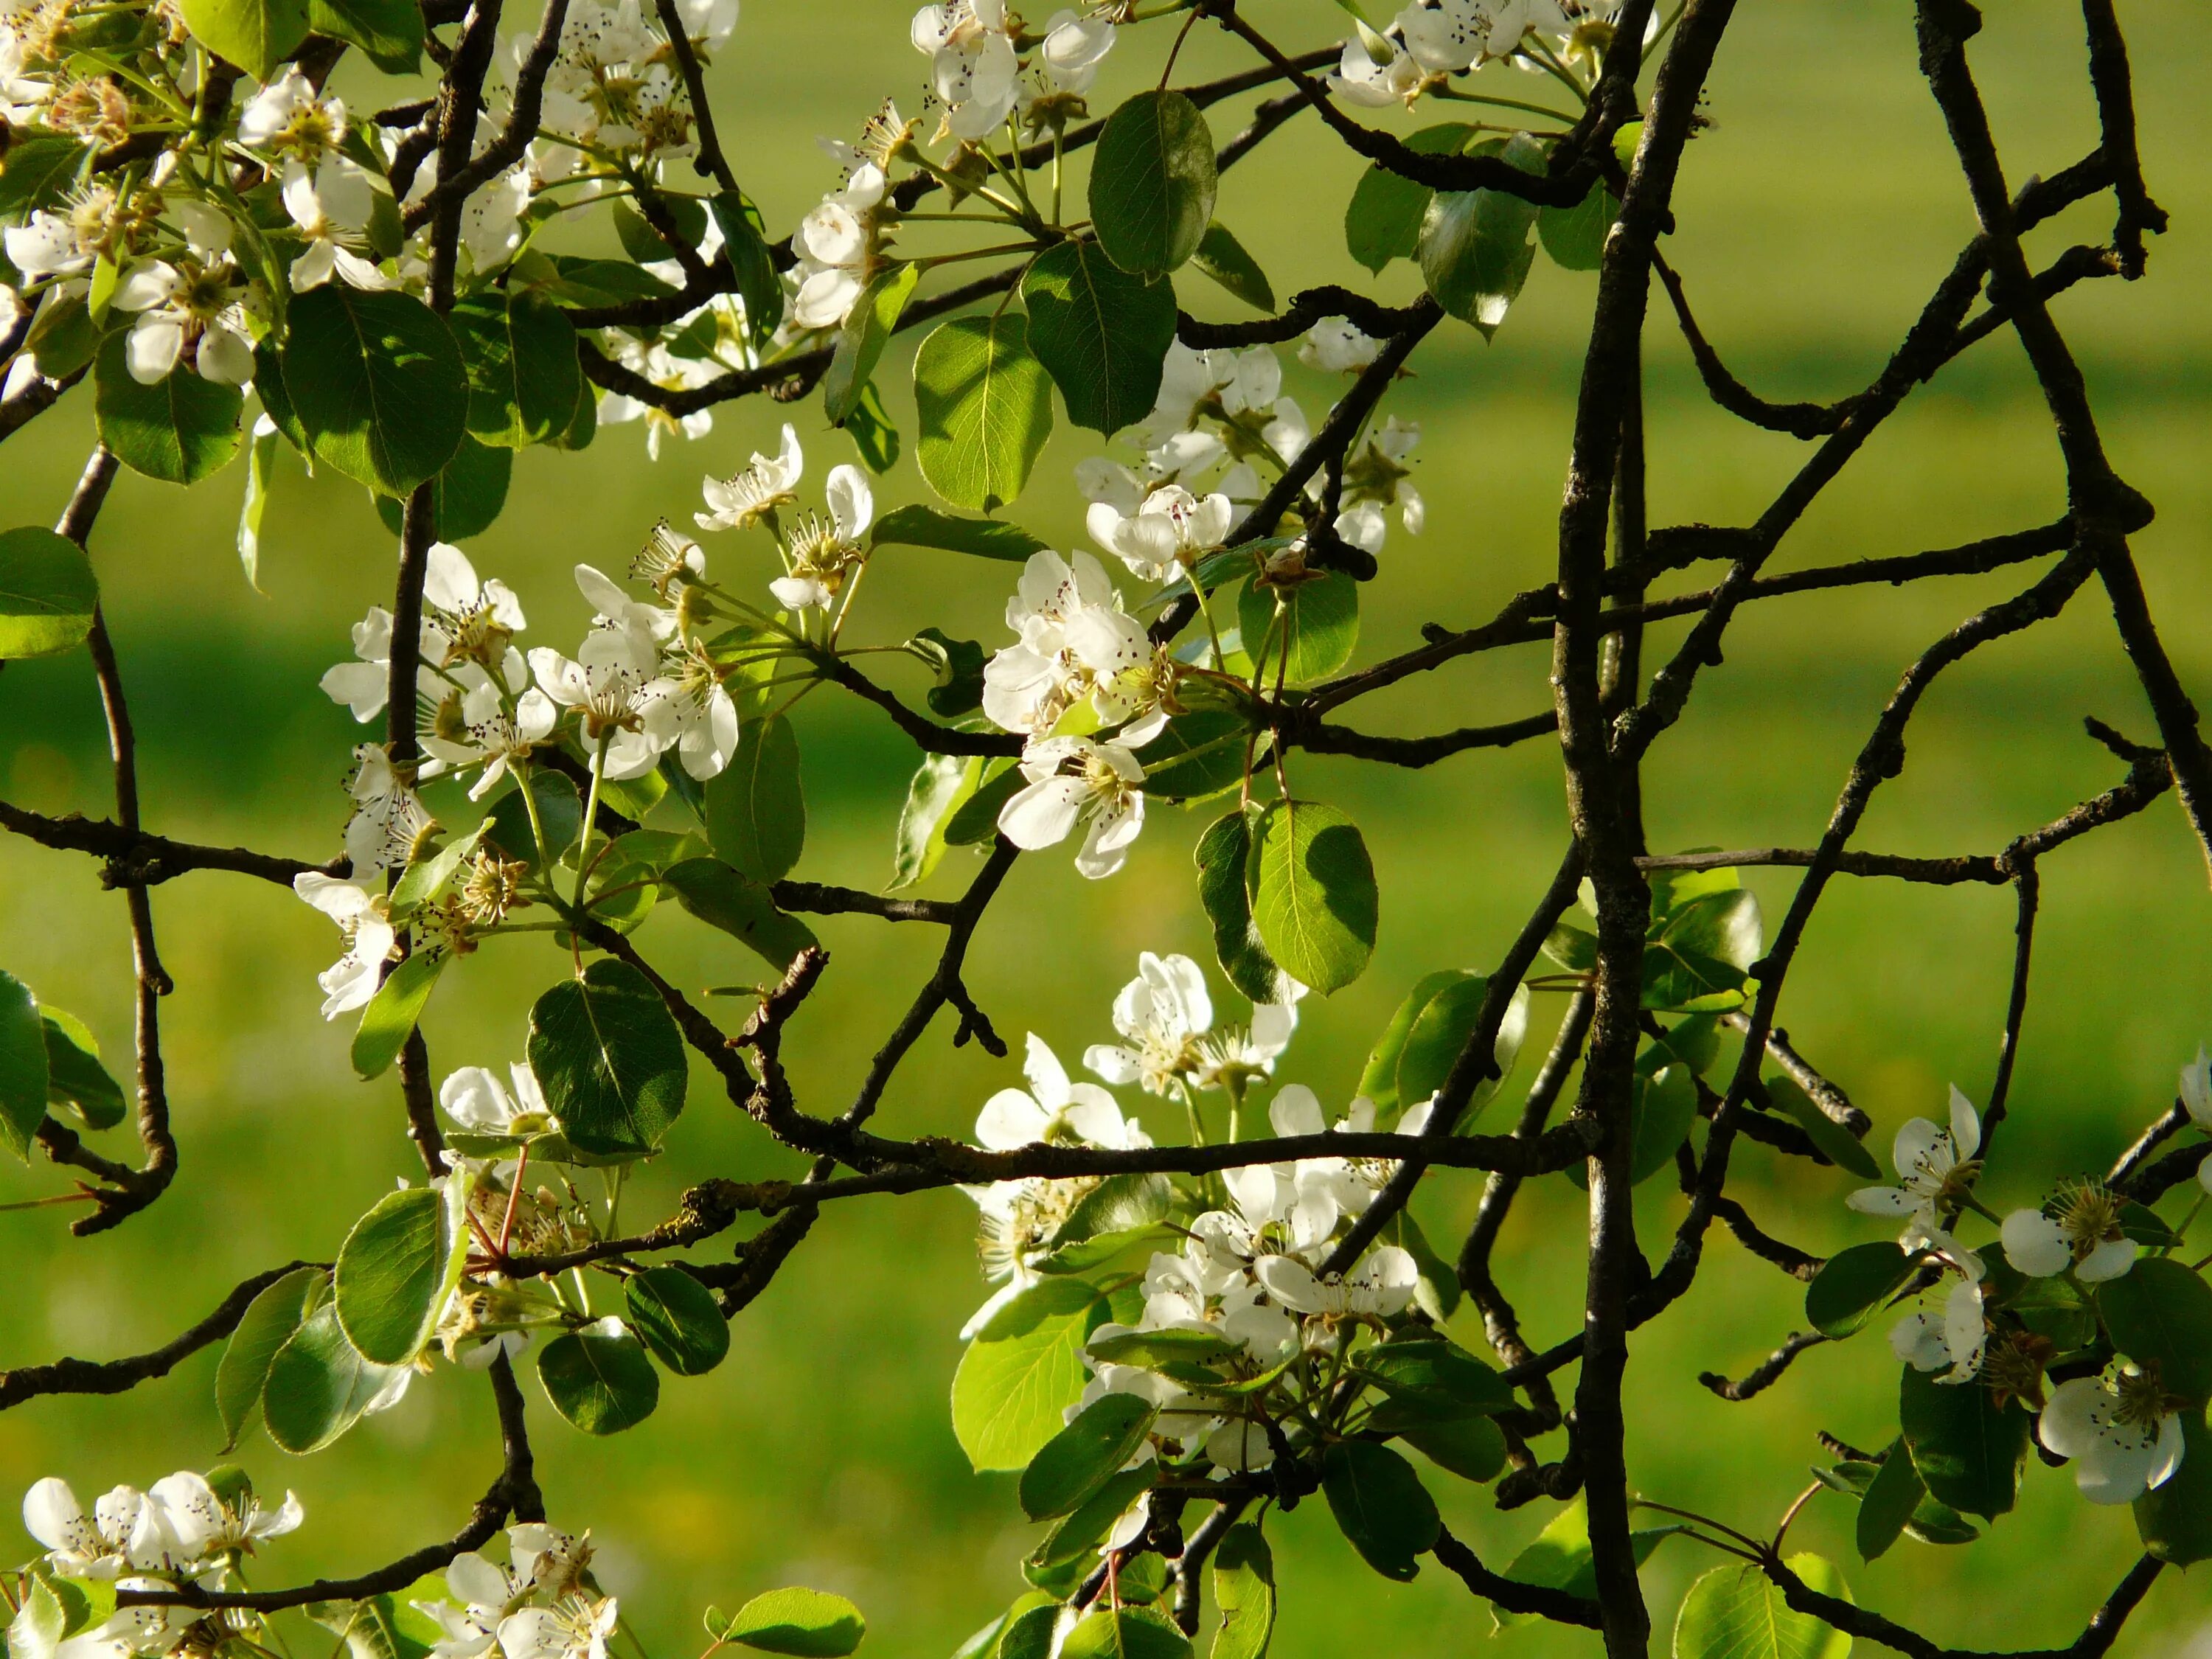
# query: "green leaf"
[[39, 170], [1891, 1496], [467, 495], [809, 1623], [1083, 1456], [1223, 258], [1738, 1612], [678, 1319], [319, 1385], [938, 787], [1125, 1633], [1313, 896], [925, 527], [47, 593], [1152, 182], [1472, 1447], [860, 342], [1223, 853], [385, 1626], [757, 804], [2174, 1518], [1101, 334], [74, 1077], [1425, 1036], [1319, 619], [379, 385], [741, 907], [1665, 1105], [599, 1380], [257, 35], [260, 464], [609, 1059], [1558, 1557], [519, 352], [1852, 1285], [985, 405], [1700, 951], [393, 1012], [1434, 1370], [396, 1269], [1475, 244], [1381, 1505], [874, 437], [1839, 1144], [1022, 1370], [1967, 1447], [507, 827], [40, 1622], [2160, 1313], [64, 339], [180, 429], [1574, 236], [267, 1325], [1199, 754], [1158, 1349], [758, 285], [388, 31], [23, 1075], [1027, 1633], [1383, 221], [1245, 1590]]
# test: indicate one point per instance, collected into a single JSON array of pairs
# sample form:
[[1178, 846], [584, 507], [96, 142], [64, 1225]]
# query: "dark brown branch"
[[1304, 310], [137, 858], [1763, 1376], [821, 899], [2113, 84], [1321, 738], [120, 1376], [457, 184], [2163, 1128], [1798, 420], [709, 162], [1560, 1607]]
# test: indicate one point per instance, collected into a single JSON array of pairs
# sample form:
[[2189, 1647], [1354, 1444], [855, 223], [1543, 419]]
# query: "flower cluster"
[[541, 1605], [1431, 41]]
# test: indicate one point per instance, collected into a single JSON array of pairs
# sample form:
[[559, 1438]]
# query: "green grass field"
[[1815, 217]]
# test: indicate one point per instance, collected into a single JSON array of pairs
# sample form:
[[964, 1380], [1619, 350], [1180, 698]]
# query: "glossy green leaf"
[[1383, 222], [1424, 1039], [1223, 854], [609, 1059], [260, 470], [1558, 1557], [1967, 1447], [1101, 334], [1380, 1505], [1245, 1591], [757, 804], [388, 31], [1891, 1498], [745, 245], [41, 169], [267, 1325], [257, 35], [519, 352], [47, 593], [985, 405], [1030, 1633], [925, 527], [1477, 245], [396, 1269], [934, 794], [2160, 1312], [1152, 182], [1436, 1370], [180, 429], [741, 907], [1574, 236], [1223, 258], [379, 385], [1738, 1612], [2175, 1518], [1313, 895], [810, 1624], [678, 1319], [76, 1078], [1083, 1456], [40, 1621], [467, 497], [1853, 1286], [23, 1075], [1472, 1447], [1156, 1350], [1839, 1144], [393, 1012], [1318, 621], [560, 811], [1022, 1370], [1125, 1632], [319, 1385], [598, 1378], [860, 342], [875, 437]]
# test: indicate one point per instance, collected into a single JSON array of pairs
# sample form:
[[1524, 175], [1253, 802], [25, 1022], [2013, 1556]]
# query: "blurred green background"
[[1815, 217]]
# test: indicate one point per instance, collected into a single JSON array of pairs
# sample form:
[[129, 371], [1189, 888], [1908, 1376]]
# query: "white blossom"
[[1934, 1167], [1161, 1013], [2122, 1430], [1334, 345], [1953, 1342], [207, 1526], [756, 493], [654, 361], [1054, 1110], [972, 63], [181, 309], [388, 816], [576, 1627], [1380, 1287], [351, 981], [1169, 533], [1071, 782], [1361, 78], [1075, 46], [836, 245], [2079, 1228], [127, 1530], [475, 1098], [821, 554], [489, 734]]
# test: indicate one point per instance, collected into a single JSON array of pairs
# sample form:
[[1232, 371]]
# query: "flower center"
[[2090, 1214]]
